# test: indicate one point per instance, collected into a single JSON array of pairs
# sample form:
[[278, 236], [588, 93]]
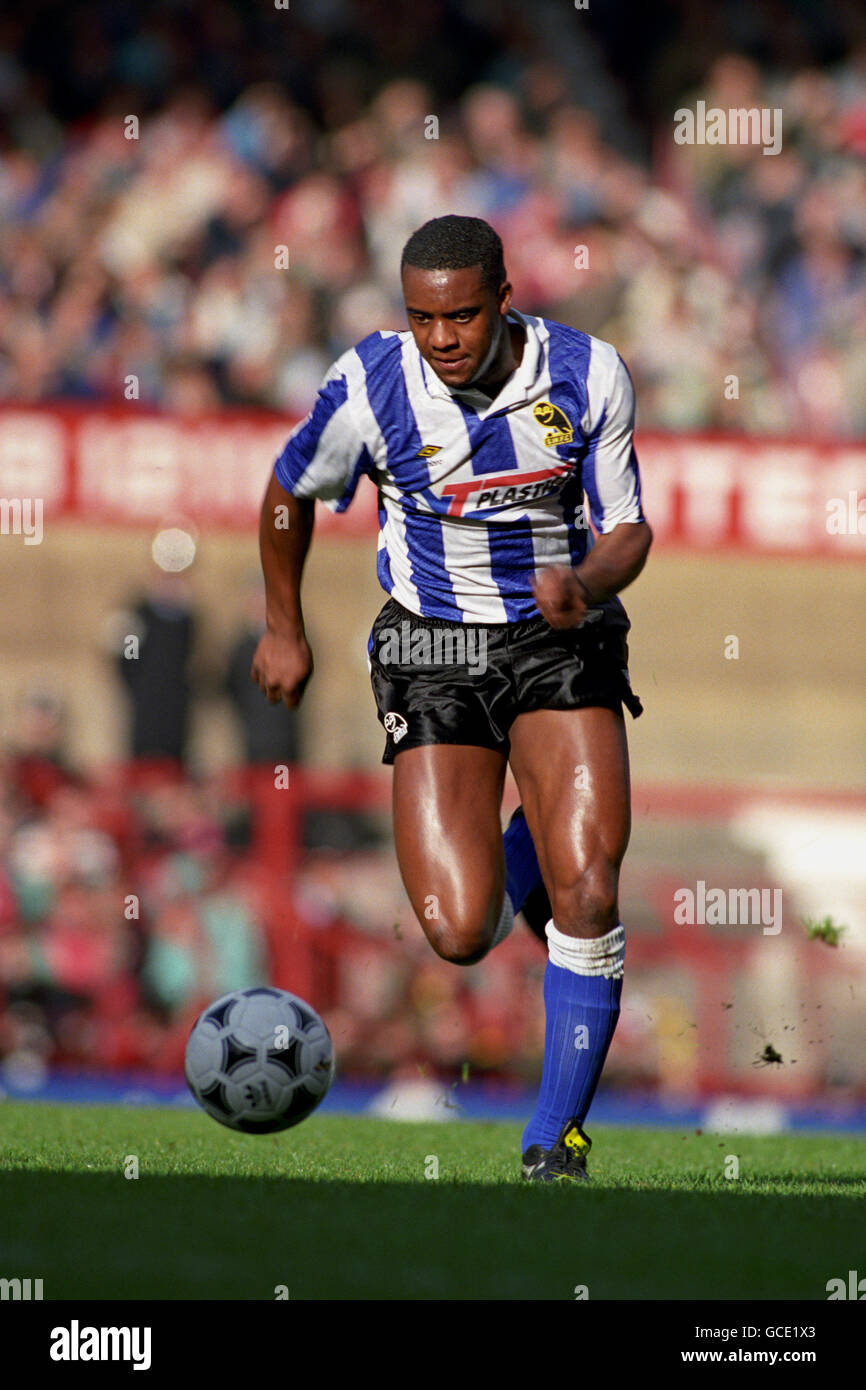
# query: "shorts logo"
[[428, 451], [557, 424], [396, 726]]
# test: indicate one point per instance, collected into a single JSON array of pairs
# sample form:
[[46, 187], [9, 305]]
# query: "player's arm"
[[612, 483], [323, 459], [283, 662], [564, 596]]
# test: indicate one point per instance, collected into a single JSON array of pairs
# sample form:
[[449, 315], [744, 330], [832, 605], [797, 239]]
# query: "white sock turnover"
[[602, 955]]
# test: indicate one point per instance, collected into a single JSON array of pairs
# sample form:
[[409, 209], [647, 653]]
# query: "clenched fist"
[[561, 599], [282, 665]]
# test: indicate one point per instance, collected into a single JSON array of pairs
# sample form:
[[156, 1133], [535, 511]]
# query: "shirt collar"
[[514, 390]]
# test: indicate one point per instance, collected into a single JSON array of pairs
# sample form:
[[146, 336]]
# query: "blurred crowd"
[[245, 226], [123, 910], [131, 899]]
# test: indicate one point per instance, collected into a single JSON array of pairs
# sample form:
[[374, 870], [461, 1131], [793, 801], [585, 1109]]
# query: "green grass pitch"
[[340, 1208]]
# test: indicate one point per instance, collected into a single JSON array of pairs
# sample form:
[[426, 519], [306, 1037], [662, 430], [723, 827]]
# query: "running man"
[[502, 640]]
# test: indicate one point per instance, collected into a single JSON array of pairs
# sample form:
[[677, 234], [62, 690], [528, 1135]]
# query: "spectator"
[[154, 665], [37, 761]]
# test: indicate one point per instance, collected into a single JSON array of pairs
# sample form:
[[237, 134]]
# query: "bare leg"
[[572, 770], [448, 836]]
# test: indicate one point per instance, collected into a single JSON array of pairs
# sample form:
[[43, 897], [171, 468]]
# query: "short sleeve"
[[325, 455], [610, 472]]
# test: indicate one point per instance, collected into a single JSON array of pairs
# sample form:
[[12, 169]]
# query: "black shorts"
[[466, 683]]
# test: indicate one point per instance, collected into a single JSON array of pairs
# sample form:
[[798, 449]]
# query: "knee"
[[585, 903], [461, 939]]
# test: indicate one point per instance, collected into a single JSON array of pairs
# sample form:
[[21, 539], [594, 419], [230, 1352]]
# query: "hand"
[[281, 667], [560, 598]]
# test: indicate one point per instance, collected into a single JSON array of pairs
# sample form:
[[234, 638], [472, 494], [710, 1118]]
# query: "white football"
[[259, 1060]]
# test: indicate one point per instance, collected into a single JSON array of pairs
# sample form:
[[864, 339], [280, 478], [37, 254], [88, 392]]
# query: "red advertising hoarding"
[[129, 467]]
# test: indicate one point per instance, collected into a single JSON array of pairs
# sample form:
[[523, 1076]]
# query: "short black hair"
[[456, 243]]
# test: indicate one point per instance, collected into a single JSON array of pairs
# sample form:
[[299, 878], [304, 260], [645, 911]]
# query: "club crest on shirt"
[[557, 424]]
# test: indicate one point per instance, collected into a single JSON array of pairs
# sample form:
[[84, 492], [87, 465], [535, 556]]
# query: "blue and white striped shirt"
[[475, 494]]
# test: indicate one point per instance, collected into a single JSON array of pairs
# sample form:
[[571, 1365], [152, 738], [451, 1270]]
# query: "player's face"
[[458, 322]]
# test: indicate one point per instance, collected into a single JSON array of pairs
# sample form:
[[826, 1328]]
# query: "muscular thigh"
[[448, 836], [571, 767]]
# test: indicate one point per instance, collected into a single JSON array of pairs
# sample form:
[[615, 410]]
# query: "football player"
[[493, 438]]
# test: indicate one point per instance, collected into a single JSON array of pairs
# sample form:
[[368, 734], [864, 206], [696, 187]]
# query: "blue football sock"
[[522, 873], [582, 1011]]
